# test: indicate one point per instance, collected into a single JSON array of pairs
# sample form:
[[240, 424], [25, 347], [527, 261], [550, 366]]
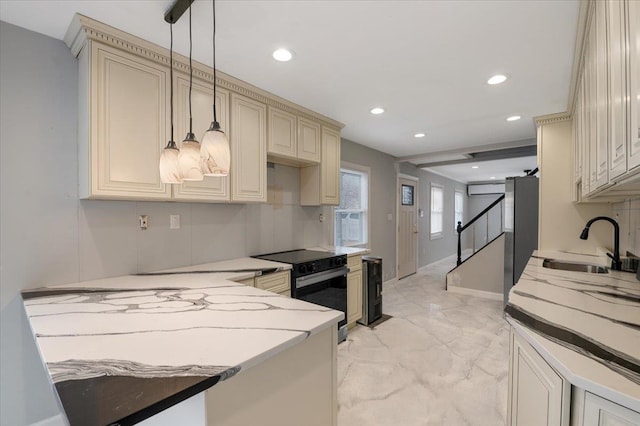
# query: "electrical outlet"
[[321, 217], [144, 221], [174, 221]]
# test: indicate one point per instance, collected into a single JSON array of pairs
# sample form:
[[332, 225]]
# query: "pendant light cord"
[[190, 73], [171, 76], [215, 118]]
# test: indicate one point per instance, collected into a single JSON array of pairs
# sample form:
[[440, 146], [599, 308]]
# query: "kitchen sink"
[[574, 266]]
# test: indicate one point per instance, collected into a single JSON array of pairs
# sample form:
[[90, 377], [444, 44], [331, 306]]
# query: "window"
[[436, 211], [351, 221], [458, 209]]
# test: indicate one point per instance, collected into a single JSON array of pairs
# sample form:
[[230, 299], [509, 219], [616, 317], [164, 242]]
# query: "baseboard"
[[57, 420], [478, 293]]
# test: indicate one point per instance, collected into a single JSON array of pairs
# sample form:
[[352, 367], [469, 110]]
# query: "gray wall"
[[429, 250], [48, 236], [382, 201]]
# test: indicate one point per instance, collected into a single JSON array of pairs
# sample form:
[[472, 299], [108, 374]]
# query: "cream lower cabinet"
[[354, 289], [602, 412], [121, 136], [320, 185], [277, 282], [212, 188], [248, 150], [538, 395]]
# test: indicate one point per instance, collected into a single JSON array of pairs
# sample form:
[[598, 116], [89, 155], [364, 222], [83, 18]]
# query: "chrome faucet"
[[616, 263]]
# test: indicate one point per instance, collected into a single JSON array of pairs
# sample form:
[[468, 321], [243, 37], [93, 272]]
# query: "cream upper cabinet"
[[633, 81], [538, 395], [123, 126], [212, 188], [248, 150], [321, 184], [616, 39], [600, 144], [283, 136], [330, 167], [308, 140]]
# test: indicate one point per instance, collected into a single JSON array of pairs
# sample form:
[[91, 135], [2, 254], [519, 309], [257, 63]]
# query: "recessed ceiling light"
[[514, 118], [419, 135], [282, 55], [475, 167], [492, 177], [497, 79], [377, 110]]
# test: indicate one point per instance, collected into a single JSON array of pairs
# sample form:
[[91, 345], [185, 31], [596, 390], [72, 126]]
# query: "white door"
[[407, 226]]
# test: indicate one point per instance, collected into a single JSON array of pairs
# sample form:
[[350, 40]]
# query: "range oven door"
[[327, 288]]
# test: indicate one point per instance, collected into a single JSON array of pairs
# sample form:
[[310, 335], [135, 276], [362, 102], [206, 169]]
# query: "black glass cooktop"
[[295, 257]]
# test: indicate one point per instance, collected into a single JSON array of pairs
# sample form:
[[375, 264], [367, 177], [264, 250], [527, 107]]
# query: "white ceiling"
[[425, 62]]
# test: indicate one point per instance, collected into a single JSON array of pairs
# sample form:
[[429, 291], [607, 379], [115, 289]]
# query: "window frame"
[[438, 234], [366, 172], [457, 192]]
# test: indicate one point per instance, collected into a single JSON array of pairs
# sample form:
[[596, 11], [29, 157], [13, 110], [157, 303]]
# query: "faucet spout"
[[616, 263]]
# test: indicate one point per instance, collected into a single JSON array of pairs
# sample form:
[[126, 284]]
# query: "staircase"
[[481, 273]]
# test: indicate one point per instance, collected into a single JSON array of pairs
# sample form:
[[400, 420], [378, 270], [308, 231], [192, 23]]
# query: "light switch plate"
[[143, 219], [174, 221]]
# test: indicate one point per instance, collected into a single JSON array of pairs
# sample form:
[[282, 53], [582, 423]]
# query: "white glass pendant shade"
[[189, 159], [169, 164], [216, 156]]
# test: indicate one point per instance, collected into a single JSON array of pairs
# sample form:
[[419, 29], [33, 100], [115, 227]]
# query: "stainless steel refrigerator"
[[520, 227]]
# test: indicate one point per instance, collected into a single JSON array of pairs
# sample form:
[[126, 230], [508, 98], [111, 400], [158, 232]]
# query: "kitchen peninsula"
[[575, 344], [122, 349]]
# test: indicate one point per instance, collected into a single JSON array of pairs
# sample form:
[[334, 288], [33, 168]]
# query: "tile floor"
[[441, 360]]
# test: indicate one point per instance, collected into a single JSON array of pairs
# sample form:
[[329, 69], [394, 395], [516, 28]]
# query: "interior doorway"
[[407, 237]]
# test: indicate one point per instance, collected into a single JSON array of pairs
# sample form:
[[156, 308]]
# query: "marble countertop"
[[586, 325], [128, 347]]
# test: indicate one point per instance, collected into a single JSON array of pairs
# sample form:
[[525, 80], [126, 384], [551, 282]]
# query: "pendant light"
[[215, 153], [189, 157], [169, 158]]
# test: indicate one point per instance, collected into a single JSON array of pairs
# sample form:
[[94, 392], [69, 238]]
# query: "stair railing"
[[461, 228]]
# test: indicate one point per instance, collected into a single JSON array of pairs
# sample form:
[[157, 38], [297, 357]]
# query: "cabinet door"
[[128, 126], [248, 150], [354, 296], [283, 138], [308, 140], [616, 38], [537, 394], [602, 412], [212, 188], [278, 282], [600, 161], [633, 81], [330, 167], [585, 127]]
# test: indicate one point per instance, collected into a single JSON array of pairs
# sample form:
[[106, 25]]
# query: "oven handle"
[[320, 276]]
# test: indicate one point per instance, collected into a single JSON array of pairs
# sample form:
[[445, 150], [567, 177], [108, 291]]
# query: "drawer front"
[[277, 282], [248, 281], [354, 263]]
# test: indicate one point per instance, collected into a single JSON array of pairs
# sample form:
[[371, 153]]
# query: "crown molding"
[[84, 30], [552, 118], [585, 11]]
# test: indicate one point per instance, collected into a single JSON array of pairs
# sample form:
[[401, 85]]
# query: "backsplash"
[[627, 213]]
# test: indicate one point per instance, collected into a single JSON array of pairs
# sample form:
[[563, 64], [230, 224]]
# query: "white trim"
[[57, 420], [408, 177], [435, 235], [362, 169], [478, 293]]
